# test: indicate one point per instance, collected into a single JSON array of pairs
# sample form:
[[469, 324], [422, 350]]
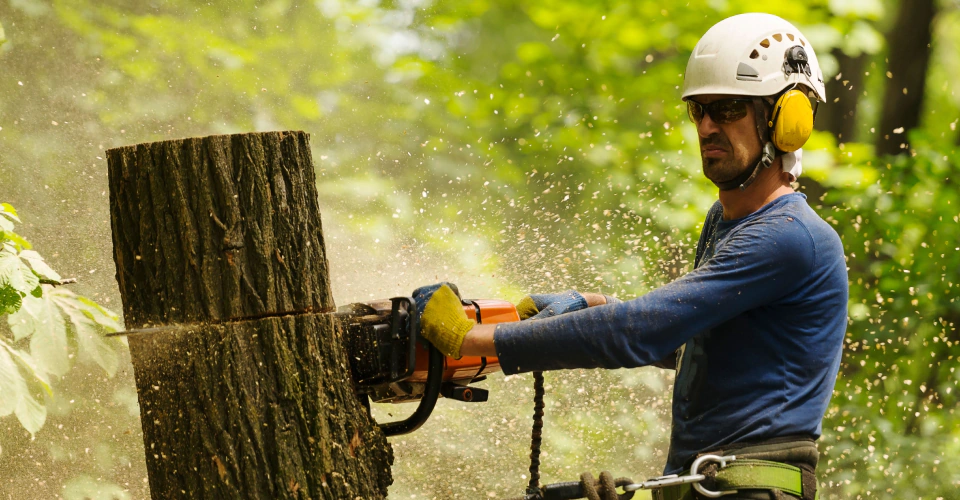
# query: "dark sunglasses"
[[721, 112]]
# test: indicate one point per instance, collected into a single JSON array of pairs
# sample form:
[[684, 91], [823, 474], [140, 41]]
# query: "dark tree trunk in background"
[[247, 392], [839, 114], [908, 55]]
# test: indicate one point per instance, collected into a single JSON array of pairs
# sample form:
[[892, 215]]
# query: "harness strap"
[[742, 474]]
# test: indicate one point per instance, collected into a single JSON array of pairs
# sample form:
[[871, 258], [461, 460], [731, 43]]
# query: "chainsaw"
[[391, 363]]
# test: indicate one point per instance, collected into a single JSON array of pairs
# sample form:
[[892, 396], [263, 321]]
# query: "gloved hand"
[[551, 304], [442, 320], [545, 305]]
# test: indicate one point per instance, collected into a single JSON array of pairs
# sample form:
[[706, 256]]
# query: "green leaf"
[[104, 317], [31, 414], [37, 376], [6, 224], [16, 274], [11, 382], [41, 321], [87, 488], [6, 208], [16, 394], [10, 300], [38, 265], [88, 330], [14, 240]]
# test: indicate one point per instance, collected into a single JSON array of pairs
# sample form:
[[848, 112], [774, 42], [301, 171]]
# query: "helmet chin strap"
[[749, 175], [767, 153]]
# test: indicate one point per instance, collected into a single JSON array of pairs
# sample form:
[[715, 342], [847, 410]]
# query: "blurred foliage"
[[509, 147], [47, 326]]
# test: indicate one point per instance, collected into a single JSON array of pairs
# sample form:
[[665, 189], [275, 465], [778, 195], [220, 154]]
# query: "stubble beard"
[[722, 169]]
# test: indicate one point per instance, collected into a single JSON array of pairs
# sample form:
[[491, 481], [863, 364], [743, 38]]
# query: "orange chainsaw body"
[[468, 368], [391, 363]]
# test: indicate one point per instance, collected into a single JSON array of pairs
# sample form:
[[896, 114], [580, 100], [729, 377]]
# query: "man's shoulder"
[[795, 225], [820, 230], [714, 215]]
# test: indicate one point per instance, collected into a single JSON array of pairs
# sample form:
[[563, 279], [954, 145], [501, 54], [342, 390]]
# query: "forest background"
[[507, 146]]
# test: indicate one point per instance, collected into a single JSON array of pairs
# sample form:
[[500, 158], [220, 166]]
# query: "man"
[[758, 325]]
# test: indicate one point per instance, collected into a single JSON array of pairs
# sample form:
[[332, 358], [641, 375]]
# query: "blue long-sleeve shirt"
[[759, 324]]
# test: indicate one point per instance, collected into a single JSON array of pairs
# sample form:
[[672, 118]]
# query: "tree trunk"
[[908, 56], [839, 113], [244, 388]]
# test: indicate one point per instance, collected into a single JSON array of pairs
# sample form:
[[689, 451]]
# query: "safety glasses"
[[721, 112]]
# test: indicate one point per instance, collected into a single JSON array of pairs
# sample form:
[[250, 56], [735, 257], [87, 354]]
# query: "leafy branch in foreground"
[[47, 326]]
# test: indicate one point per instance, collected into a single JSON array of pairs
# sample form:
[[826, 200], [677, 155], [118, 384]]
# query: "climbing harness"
[[710, 475]]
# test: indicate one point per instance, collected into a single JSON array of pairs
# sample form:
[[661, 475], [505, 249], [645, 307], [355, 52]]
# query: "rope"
[[536, 434], [603, 489]]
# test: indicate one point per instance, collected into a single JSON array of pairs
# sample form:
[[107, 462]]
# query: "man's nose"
[[707, 126]]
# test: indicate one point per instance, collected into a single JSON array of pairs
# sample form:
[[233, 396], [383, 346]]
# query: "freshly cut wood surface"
[[256, 409]]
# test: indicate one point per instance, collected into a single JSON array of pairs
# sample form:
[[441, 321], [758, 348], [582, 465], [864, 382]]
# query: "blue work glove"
[[545, 305], [551, 304], [442, 319]]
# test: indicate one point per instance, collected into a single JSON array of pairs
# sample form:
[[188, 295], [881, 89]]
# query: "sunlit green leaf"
[[104, 317], [39, 266], [7, 209], [14, 239], [11, 382], [83, 318], [31, 413], [15, 274], [87, 488], [33, 375], [41, 321]]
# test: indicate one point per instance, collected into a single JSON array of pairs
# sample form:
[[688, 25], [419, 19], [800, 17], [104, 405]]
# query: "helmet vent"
[[778, 37], [747, 73], [790, 36], [803, 42], [754, 54], [765, 43]]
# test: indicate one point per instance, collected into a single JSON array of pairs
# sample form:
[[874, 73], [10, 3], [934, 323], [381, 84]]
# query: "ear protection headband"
[[791, 122]]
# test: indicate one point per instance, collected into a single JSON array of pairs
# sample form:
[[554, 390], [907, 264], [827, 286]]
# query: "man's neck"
[[769, 186]]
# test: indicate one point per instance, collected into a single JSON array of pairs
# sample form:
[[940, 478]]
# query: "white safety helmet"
[[748, 55]]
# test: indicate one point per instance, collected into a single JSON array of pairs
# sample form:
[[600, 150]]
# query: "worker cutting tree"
[[755, 330]]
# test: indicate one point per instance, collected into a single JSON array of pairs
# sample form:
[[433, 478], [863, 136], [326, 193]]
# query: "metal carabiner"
[[695, 469], [664, 481]]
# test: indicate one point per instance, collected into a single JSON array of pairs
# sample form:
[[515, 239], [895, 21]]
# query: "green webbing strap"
[[743, 474]]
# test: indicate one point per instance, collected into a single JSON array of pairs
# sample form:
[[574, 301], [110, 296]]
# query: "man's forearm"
[[479, 340]]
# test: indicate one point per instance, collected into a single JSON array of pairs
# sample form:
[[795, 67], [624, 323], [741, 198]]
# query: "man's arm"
[[756, 266], [479, 340]]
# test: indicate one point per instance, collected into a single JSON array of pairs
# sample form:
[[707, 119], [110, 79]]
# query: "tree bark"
[[908, 58], [245, 388]]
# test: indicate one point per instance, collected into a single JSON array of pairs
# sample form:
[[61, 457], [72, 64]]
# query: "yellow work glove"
[[527, 308], [442, 320]]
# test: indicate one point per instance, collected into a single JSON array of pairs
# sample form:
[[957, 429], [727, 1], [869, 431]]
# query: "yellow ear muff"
[[792, 121]]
